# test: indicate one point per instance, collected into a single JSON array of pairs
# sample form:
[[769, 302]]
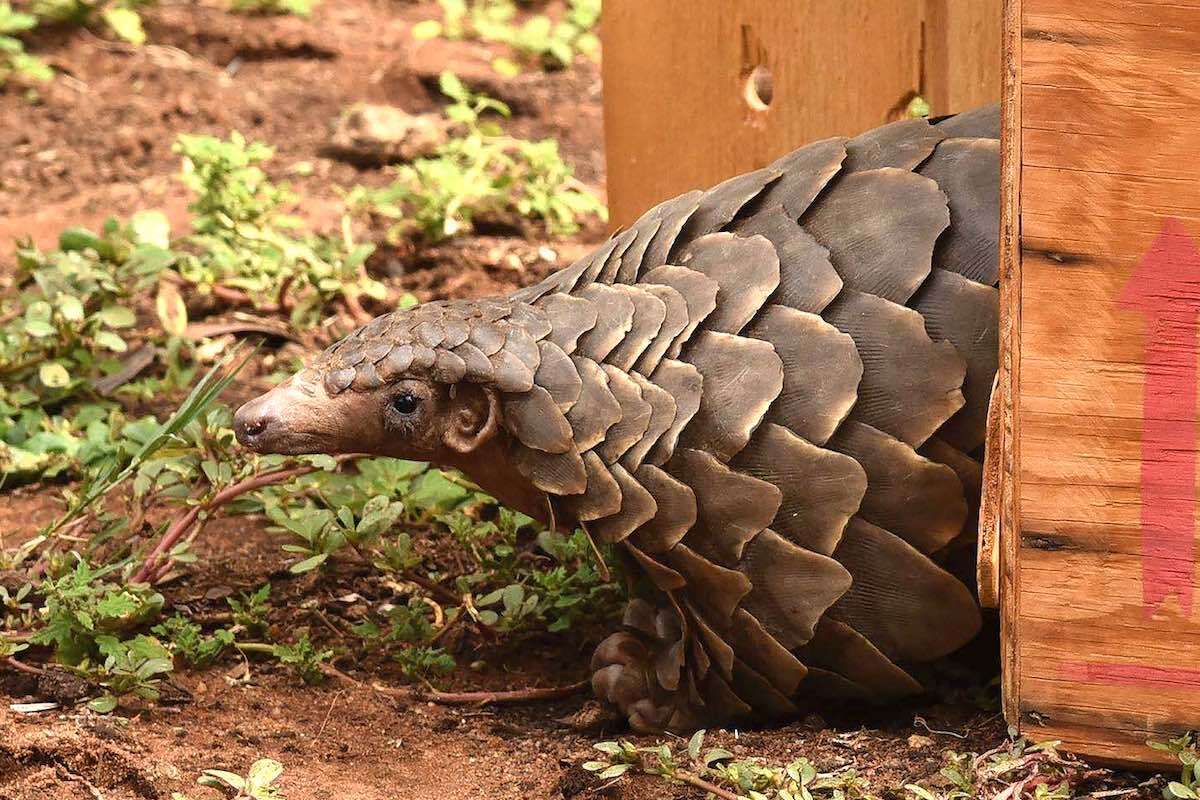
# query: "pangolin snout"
[[256, 422]]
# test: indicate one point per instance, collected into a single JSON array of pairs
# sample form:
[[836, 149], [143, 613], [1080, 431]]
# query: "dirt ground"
[[97, 142]]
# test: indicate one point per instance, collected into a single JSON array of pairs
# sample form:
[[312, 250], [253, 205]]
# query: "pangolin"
[[771, 397]]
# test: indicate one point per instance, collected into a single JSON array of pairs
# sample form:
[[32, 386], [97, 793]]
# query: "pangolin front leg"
[[770, 396]]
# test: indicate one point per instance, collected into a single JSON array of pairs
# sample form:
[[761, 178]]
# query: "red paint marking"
[[1130, 675], [1166, 289]]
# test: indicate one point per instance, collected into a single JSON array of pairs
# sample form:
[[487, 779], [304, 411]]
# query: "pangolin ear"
[[475, 418]]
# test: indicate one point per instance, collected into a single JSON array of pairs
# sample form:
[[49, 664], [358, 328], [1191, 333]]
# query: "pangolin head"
[[421, 383]]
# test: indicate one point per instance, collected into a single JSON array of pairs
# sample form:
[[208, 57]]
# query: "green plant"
[[300, 8], [424, 662], [79, 608], [258, 784], [1183, 748], [187, 640], [480, 173], [250, 610], [121, 17], [129, 667], [538, 39], [245, 248], [13, 58], [303, 658], [324, 531]]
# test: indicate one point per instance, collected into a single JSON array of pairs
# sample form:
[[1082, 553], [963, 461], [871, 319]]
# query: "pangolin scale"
[[770, 396]]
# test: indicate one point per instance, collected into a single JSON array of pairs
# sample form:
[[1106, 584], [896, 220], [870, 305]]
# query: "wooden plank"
[[1102, 633], [676, 74]]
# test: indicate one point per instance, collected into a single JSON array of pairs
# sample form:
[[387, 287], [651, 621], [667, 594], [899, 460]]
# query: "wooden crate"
[[683, 80], [1098, 404]]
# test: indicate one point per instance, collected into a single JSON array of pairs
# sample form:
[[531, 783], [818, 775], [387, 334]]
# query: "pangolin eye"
[[406, 402]]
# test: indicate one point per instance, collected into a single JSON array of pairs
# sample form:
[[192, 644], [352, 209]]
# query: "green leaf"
[[152, 228], [1178, 790], [125, 23], [695, 743], [70, 308], [117, 317], [110, 341], [103, 704], [611, 748], [427, 29], [615, 771], [263, 773], [308, 564], [219, 777], [53, 375]]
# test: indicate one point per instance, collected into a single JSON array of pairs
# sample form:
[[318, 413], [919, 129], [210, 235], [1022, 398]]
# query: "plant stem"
[[255, 647], [20, 666], [695, 780], [464, 698], [151, 570]]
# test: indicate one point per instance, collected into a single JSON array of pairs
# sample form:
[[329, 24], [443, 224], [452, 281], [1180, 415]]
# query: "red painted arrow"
[[1166, 289]]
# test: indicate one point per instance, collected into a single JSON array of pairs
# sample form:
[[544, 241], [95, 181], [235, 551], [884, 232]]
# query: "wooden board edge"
[[987, 549], [1008, 378]]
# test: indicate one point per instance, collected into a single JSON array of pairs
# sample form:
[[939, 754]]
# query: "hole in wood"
[[760, 88]]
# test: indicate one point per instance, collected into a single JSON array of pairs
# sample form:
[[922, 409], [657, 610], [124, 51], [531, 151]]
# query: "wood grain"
[[1102, 122], [675, 76]]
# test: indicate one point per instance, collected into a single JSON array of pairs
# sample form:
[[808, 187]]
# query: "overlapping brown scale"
[[634, 416], [968, 172], [477, 366], [842, 650], [764, 653], [535, 420], [821, 371], [662, 415], [721, 204], [673, 215], [792, 587], [556, 373], [967, 314], [583, 271], [720, 700], [718, 650], [554, 473], [968, 470], [699, 294], [637, 508], [904, 144], [732, 508], [633, 259], [911, 385], [714, 588], [746, 272], [602, 495], [983, 122], [366, 378], [448, 366], [603, 270], [675, 319], [596, 410], [509, 373], [807, 279], [520, 344], [897, 217], [614, 309], [397, 361], [903, 603], [662, 576], [685, 385], [487, 336], [805, 172], [758, 692], [648, 316], [821, 489], [918, 500], [569, 318], [675, 515], [742, 378]]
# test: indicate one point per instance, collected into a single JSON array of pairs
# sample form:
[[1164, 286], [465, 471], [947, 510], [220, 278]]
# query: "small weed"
[[480, 173], [258, 783], [299, 8], [250, 610], [1183, 748], [129, 668], [13, 58], [120, 17], [303, 659], [187, 641], [537, 40]]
